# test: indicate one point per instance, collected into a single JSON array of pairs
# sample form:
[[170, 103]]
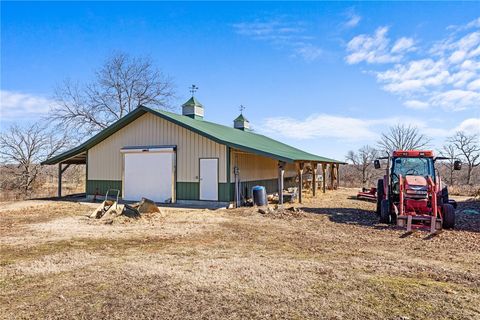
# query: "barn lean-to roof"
[[238, 139]]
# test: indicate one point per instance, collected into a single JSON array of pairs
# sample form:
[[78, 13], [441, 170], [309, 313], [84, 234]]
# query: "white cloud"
[[472, 24], [349, 129], [416, 75], [308, 51], [455, 100], [403, 45], [445, 75], [416, 104], [18, 106], [371, 49], [471, 126], [376, 48], [353, 19], [474, 85], [282, 34], [317, 126]]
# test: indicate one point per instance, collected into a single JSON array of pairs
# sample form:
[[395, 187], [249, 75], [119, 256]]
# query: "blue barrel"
[[259, 195]]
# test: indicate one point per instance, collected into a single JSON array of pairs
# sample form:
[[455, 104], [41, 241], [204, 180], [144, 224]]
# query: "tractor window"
[[413, 167]]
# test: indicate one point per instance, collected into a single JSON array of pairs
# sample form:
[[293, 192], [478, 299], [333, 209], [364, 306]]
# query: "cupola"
[[241, 122], [193, 108]]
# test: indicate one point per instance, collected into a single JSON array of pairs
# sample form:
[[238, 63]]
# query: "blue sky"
[[325, 77]]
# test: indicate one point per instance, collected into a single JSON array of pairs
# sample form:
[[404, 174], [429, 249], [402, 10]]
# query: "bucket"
[[259, 195]]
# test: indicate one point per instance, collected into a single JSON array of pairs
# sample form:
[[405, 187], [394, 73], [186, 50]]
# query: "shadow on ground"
[[467, 216], [353, 216]]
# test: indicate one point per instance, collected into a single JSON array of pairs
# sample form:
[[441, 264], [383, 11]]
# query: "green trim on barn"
[[224, 193], [86, 174], [271, 185], [101, 186], [229, 193], [191, 190], [188, 190]]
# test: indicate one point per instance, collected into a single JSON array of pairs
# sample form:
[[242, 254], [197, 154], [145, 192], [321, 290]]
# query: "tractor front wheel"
[[448, 212], [385, 216], [380, 194]]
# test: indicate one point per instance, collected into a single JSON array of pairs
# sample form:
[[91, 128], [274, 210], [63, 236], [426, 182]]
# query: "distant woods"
[[460, 146], [118, 86]]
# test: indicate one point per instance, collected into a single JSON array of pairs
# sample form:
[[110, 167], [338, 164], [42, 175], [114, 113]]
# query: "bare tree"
[[449, 151], [469, 148], [363, 161], [122, 84], [402, 137], [21, 151]]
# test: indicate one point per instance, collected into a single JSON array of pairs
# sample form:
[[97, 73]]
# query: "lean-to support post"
[[236, 173], [281, 173], [337, 175], [314, 178], [60, 173], [332, 176], [300, 181], [59, 193], [324, 177]]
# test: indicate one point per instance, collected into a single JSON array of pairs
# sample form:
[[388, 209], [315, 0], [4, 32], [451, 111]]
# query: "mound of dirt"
[[280, 212], [110, 212]]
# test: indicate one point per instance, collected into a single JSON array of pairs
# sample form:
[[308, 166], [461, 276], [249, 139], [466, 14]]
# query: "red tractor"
[[411, 193]]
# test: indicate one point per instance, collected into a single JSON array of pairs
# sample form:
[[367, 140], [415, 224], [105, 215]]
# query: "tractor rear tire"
[[380, 195], [448, 212], [385, 216]]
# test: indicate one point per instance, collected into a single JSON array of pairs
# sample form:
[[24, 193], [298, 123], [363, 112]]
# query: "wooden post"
[[314, 178], [300, 181], [337, 175], [332, 178], [281, 173], [324, 177], [60, 180]]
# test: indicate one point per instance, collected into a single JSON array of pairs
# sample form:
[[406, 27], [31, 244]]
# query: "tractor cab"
[[411, 193], [415, 170]]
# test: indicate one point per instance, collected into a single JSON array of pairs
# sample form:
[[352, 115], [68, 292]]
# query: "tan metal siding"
[[255, 167], [105, 162]]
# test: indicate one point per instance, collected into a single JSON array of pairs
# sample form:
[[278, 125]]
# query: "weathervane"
[[241, 108], [193, 89]]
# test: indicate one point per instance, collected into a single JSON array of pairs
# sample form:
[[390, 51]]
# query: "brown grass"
[[335, 262]]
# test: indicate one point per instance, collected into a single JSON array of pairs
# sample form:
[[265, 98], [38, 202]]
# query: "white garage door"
[[149, 173]]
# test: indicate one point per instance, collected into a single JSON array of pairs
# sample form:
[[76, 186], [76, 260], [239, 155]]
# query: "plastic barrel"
[[259, 195]]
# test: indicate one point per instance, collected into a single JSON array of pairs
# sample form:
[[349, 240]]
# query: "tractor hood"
[[415, 181], [416, 186]]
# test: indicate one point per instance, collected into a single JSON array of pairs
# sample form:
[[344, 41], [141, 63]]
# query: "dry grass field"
[[332, 262]]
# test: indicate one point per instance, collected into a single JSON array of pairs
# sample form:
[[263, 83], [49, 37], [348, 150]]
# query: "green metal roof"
[[239, 139], [192, 102]]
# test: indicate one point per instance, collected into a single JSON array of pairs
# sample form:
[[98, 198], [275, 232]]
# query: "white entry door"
[[209, 179], [149, 174]]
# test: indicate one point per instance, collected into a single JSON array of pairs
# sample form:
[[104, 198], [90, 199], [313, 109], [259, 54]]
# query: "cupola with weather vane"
[[241, 122], [193, 108]]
